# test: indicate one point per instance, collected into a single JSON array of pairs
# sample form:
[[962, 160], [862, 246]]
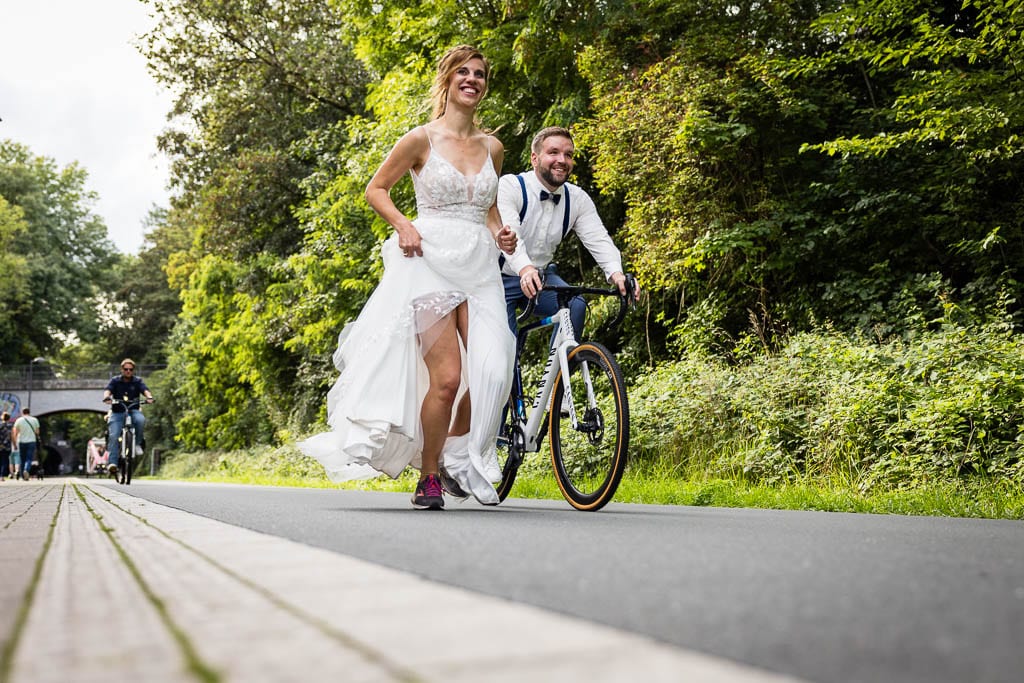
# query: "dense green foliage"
[[828, 407], [57, 261], [768, 168], [793, 165], [15, 269], [822, 200]]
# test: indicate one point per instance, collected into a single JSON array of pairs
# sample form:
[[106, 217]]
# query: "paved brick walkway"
[[102, 586]]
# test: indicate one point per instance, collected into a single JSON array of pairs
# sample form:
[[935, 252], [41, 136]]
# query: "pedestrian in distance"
[[6, 452], [435, 327], [25, 434]]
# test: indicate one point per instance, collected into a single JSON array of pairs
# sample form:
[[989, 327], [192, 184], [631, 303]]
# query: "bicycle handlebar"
[[625, 300], [114, 401]]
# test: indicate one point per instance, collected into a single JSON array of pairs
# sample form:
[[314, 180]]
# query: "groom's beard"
[[553, 182]]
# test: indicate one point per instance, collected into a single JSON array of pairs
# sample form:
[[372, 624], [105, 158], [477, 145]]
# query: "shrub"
[[944, 405]]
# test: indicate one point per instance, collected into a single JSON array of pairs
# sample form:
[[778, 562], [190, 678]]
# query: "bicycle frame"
[[564, 342], [129, 426]]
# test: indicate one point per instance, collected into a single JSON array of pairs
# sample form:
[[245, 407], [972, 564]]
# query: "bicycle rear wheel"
[[589, 460]]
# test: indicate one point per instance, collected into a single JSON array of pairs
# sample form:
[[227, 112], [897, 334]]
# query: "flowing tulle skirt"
[[373, 408]]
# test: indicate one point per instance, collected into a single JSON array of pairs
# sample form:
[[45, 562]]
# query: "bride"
[[434, 330]]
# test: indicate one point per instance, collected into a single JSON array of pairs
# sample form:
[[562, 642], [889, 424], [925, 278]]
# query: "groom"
[[542, 207]]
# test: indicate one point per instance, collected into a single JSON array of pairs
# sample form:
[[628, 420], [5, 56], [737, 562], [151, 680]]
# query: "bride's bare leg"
[[460, 425], [444, 367]]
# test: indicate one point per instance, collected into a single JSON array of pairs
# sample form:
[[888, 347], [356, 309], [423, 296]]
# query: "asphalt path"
[[827, 597]]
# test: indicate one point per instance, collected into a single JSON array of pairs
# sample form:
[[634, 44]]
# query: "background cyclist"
[[119, 386]]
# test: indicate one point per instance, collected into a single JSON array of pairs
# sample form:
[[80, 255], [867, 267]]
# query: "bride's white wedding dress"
[[374, 407]]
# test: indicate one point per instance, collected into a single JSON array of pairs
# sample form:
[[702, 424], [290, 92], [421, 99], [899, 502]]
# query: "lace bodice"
[[444, 191]]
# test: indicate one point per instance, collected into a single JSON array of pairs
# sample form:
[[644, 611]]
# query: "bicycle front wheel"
[[589, 459], [127, 456]]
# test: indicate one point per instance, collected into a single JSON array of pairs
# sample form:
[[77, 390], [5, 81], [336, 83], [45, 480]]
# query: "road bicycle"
[[126, 463], [582, 395]]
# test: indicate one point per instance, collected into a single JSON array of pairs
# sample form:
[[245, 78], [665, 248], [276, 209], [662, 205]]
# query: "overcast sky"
[[73, 87]]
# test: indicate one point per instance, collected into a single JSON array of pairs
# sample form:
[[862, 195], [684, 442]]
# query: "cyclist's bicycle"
[[584, 396], [126, 463]]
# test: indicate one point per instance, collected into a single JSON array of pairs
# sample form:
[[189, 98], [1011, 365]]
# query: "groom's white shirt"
[[540, 231]]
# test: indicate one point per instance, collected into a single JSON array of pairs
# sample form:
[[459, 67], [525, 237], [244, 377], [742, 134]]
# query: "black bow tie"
[[545, 195]]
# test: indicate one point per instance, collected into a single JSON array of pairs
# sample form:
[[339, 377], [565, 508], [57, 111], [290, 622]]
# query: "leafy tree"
[[64, 258], [788, 163], [254, 80], [706, 160], [15, 269], [531, 46], [142, 308], [219, 361], [927, 159]]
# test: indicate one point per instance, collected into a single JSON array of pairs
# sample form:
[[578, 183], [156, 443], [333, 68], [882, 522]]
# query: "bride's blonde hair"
[[446, 68]]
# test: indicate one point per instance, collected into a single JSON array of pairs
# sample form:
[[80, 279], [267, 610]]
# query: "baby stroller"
[[97, 457], [35, 470]]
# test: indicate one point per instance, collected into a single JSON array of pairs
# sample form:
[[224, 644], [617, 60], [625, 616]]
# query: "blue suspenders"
[[522, 211], [522, 188]]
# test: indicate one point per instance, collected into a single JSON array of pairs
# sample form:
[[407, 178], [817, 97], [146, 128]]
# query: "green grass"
[[978, 497], [948, 499]]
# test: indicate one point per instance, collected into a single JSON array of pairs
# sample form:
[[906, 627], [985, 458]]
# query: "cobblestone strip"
[[19, 499], [90, 620], [16, 496], [26, 534], [242, 631], [441, 633]]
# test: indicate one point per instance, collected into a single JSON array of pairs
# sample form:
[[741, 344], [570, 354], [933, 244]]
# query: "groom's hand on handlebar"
[[625, 283]]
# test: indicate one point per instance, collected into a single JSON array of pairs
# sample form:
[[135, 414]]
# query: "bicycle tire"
[[127, 455], [510, 455], [589, 461]]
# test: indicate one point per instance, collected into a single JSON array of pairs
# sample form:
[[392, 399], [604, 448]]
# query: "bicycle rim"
[[509, 456], [589, 460]]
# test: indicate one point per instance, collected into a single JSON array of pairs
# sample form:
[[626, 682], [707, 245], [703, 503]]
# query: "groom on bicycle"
[[543, 207], [128, 387]]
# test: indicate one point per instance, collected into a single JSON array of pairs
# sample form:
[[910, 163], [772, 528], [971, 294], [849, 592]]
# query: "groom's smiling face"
[[554, 162]]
